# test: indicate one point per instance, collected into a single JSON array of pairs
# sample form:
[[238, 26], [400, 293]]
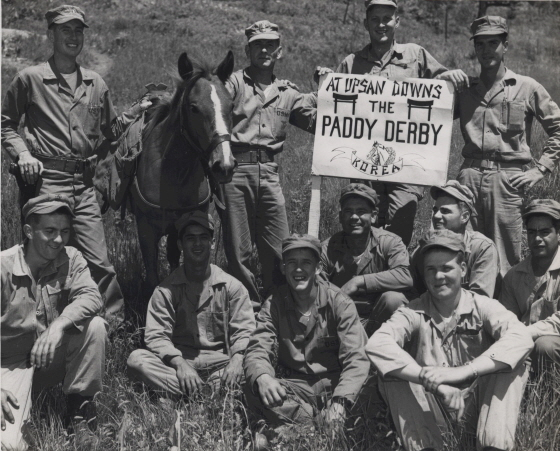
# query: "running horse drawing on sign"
[[186, 150]]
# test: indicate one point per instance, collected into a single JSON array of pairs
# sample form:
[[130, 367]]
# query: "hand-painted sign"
[[372, 128]]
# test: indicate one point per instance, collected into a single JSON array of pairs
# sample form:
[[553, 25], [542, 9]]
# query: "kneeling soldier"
[[429, 353], [199, 320], [319, 339], [50, 331], [369, 264]]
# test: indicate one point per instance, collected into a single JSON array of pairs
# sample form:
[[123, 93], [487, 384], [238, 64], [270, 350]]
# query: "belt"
[[252, 155], [489, 165], [63, 164]]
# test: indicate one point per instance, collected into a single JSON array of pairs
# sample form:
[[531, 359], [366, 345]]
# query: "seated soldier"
[[451, 351], [50, 331], [531, 288], [452, 210], [369, 264], [549, 329], [198, 323], [315, 331]]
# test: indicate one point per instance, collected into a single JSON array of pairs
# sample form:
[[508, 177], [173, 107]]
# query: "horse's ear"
[[225, 68], [185, 66]]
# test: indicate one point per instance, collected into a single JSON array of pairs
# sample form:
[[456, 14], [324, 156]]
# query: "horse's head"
[[206, 114]]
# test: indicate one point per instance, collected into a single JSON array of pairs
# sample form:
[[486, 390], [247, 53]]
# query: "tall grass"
[[142, 39]]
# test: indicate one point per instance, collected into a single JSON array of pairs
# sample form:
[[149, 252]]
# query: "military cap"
[[443, 238], [65, 13], [48, 203], [361, 190], [547, 207], [195, 217], [371, 3], [489, 25], [454, 189], [262, 29], [297, 241]]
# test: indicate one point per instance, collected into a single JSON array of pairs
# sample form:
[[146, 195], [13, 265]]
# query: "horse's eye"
[[194, 109]]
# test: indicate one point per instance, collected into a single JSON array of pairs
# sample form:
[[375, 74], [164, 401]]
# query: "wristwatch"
[[543, 169]]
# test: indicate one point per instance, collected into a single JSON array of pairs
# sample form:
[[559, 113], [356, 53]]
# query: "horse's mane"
[[169, 107]]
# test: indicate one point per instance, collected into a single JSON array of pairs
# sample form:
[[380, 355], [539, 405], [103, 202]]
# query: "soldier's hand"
[[452, 399], [233, 371], [319, 71], [29, 167], [433, 376], [353, 286], [459, 79], [336, 413], [42, 353], [7, 399], [526, 179], [189, 380], [271, 391]]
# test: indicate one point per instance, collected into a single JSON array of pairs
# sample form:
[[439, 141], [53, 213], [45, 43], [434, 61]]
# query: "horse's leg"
[[148, 236], [173, 252]]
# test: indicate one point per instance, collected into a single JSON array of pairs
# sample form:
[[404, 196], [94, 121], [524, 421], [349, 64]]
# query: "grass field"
[[134, 42]]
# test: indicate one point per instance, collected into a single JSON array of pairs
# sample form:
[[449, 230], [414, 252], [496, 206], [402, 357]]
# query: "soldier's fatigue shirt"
[[480, 326], [400, 62], [57, 121], [529, 297], [332, 341], [64, 288], [497, 124], [260, 118], [190, 316], [483, 265], [384, 265]]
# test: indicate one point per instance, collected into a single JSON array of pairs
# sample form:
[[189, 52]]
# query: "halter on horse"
[[186, 142]]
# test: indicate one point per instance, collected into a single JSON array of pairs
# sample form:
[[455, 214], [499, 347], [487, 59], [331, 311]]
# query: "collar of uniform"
[[21, 268], [426, 306], [525, 265], [372, 243], [247, 75], [320, 299], [395, 50], [50, 71], [510, 77], [555, 265], [217, 276], [467, 239]]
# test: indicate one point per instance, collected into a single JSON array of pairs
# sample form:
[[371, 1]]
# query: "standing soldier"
[[496, 114], [386, 58], [255, 206], [66, 108]]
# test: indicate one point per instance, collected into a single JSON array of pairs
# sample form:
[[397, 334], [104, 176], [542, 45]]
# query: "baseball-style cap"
[[297, 241], [195, 217], [65, 13], [547, 207], [370, 3], [489, 25], [443, 238], [262, 29], [454, 189], [359, 189], [48, 203]]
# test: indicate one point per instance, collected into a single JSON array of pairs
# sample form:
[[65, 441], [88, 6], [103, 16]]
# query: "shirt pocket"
[[90, 117], [280, 121], [56, 298], [471, 340], [405, 68], [329, 343], [215, 326], [513, 117]]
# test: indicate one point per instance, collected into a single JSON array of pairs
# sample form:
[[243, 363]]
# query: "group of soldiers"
[[447, 334]]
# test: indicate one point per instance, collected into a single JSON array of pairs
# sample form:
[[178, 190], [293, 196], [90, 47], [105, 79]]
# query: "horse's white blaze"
[[221, 126]]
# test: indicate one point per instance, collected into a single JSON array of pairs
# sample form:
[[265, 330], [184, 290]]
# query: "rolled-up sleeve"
[[14, 107], [397, 277], [429, 66], [548, 114], [485, 270], [241, 317], [548, 326], [260, 351], [84, 298], [304, 112], [513, 341], [160, 322], [385, 346], [352, 357]]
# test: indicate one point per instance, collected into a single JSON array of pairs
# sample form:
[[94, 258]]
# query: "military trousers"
[[79, 363], [498, 210], [255, 214], [88, 236], [491, 410]]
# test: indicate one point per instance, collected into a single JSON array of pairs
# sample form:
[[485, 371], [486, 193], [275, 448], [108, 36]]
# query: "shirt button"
[[75, 127], [264, 125]]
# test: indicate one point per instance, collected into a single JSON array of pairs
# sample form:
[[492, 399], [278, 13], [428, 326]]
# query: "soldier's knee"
[[390, 301], [134, 362], [13, 441], [96, 329], [548, 347]]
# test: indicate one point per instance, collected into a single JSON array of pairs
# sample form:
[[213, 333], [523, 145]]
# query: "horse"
[[185, 154]]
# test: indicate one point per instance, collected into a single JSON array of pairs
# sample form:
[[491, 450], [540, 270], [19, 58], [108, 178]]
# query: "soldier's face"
[[542, 237], [490, 50], [381, 22], [443, 273], [357, 215], [67, 38], [48, 236], [263, 53], [447, 214], [301, 267], [197, 244]]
